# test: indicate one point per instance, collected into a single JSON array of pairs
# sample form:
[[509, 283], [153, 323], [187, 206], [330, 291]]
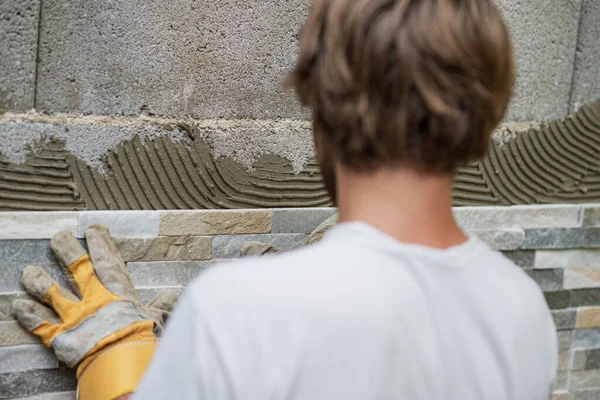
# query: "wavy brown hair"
[[418, 83]]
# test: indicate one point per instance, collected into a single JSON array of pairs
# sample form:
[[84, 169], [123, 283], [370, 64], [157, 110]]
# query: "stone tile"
[[586, 395], [148, 294], [565, 340], [229, 246], [591, 215], [215, 222], [562, 381], [586, 338], [582, 277], [550, 259], [562, 238], [585, 297], [10, 276], [588, 317], [561, 395], [564, 360], [13, 334], [523, 258], [564, 319], [530, 216], [165, 248], [548, 279], [558, 300], [53, 396], [36, 225], [6, 301], [299, 220], [586, 75], [500, 239], [35, 382], [165, 273], [122, 223], [586, 359], [581, 380], [18, 53], [26, 358]]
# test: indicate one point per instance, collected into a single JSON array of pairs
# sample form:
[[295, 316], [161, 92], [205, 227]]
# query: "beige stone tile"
[[166, 248], [235, 222], [582, 277], [36, 225], [588, 317]]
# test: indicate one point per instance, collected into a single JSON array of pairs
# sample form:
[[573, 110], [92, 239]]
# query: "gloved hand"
[[101, 328], [258, 248]]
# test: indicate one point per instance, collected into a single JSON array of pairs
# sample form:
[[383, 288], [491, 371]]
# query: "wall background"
[[558, 246]]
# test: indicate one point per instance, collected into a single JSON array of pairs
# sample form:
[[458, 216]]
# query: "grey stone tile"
[[6, 301], [564, 319], [299, 220], [586, 359], [215, 222], [591, 212], [526, 217], [165, 248], [549, 259], [36, 225], [585, 297], [165, 273], [548, 279], [586, 338], [586, 76], [500, 239], [10, 276], [565, 340], [35, 382], [122, 223], [13, 334], [229, 246], [52, 396], [558, 300], [18, 53], [586, 395], [26, 358], [582, 277], [148, 294], [562, 238], [581, 380], [523, 258], [562, 380], [564, 360]]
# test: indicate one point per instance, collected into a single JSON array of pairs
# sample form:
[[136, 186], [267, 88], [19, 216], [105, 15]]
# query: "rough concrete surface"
[[18, 51], [544, 34], [586, 79], [204, 58]]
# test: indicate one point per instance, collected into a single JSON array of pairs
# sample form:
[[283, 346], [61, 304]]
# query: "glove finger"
[[258, 249], [33, 315], [161, 307], [108, 264], [40, 285], [67, 250], [322, 229]]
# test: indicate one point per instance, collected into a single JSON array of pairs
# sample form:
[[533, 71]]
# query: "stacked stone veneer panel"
[[558, 246]]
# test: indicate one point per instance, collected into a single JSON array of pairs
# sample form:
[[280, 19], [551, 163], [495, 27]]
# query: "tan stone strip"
[[218, 222], [588, 317]]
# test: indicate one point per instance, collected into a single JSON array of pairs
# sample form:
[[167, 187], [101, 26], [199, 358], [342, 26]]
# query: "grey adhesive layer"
[[586, 78], [545, 36], [18, 48], [204, 58]]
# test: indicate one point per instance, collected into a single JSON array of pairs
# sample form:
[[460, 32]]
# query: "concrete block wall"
[[226, 59], [558, 246]]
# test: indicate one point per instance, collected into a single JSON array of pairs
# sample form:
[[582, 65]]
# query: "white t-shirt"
[[359, 316]]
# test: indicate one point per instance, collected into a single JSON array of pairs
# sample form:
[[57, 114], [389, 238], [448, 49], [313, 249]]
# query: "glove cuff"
[[115, 371]]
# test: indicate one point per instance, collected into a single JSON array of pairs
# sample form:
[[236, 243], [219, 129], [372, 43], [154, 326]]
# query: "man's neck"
[[406, 205]]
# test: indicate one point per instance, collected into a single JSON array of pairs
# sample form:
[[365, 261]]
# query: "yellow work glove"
[[101, 328]]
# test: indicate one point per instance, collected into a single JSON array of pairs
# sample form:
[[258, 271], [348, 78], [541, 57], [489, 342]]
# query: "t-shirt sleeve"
[[185, 365]]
